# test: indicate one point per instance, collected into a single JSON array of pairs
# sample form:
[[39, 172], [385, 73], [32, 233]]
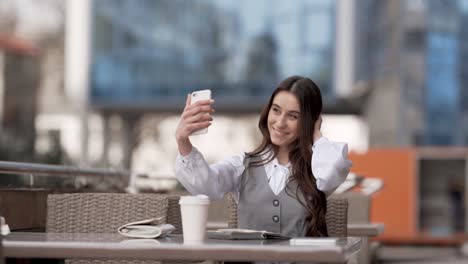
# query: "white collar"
[[277, 164], [275, 161]]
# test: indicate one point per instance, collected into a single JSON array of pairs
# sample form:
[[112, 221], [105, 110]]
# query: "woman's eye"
[[275, 110], [293, 117]]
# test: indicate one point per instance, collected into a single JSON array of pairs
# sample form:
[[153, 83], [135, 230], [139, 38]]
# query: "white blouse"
[[330, 166]]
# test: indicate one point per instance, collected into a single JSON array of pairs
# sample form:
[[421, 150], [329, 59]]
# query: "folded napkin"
[[140, 241], [147, 228]]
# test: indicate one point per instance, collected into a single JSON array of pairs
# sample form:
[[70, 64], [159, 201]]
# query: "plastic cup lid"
[[195, 199]]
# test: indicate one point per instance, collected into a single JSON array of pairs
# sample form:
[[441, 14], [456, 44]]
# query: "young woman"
[[282, 185]]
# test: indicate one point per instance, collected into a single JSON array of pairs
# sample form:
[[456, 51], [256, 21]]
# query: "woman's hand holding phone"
[[196, 97], [195, 117]]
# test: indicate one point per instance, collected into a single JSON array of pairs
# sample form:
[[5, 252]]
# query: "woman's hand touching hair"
[[317, 127], [194, 117]]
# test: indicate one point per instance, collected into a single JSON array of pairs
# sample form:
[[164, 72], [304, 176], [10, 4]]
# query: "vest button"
[[275, 202], [275, 218]]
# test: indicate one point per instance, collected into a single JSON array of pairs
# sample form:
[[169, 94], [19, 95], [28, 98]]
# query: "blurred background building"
[[142, 65], [413, 63]]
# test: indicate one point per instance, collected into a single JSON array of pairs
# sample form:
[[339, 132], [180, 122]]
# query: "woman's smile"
[[279, 132]]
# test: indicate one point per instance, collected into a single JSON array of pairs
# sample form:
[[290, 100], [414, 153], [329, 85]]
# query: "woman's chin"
[[277, 142]]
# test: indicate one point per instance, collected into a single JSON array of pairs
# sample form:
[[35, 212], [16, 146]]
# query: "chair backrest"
[[336, 217], [105, 212], [101, 212], [173, 213], [359, 208]]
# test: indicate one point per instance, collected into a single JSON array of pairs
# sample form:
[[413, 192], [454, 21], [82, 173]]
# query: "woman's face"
[[283, 119]]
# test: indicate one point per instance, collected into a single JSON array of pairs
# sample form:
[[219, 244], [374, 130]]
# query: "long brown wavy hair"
[[300, 154]]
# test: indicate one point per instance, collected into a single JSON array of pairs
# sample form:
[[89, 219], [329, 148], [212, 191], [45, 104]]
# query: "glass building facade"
[[152, 53], [412, 52], [442, 74], [442, 89], [463, 69]]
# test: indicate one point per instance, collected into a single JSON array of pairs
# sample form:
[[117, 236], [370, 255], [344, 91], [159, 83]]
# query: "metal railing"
[[41, 169], [35, 169], [57, 170]]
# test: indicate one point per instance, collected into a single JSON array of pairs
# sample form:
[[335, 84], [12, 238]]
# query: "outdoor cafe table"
[[115, 246]]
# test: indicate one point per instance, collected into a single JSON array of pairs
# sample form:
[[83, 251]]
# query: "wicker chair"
[[173, 213], [336, 217], [105, 212], [100, 212]]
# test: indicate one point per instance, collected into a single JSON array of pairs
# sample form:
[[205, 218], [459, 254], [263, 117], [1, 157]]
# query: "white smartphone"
[[200, 96]]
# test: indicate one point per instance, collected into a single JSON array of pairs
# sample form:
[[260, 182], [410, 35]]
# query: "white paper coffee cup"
[[194, 211]]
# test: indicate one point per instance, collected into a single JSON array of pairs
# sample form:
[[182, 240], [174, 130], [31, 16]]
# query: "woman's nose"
[[281, 121]]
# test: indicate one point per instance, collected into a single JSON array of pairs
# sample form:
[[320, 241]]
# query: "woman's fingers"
[[189, 128], [197, 110], [199, 107], [196, 116], [200, 125], [200, 117], [201, 103]]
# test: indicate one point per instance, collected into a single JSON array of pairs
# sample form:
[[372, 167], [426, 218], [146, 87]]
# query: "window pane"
[[153, 53]]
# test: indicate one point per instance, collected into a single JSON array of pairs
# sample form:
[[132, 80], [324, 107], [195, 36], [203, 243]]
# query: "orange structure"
[[395, 204], [398, 205]]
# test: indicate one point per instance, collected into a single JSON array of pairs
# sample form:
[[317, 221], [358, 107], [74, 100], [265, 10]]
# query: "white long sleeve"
[[330, 166], [194, 173]]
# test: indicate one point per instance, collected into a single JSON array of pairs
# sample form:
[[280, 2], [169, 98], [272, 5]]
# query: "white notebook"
[[314, 241], [244, 234]]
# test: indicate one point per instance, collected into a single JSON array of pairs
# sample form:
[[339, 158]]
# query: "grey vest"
[[260, 209]]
